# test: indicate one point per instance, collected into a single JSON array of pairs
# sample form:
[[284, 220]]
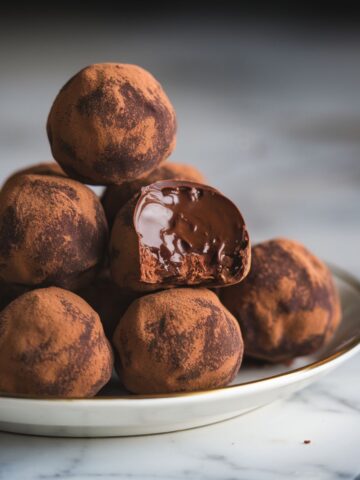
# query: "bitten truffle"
[[177, 340], [111, 123], [288, 305], [50, 169], [115, 196], [53, 231], [178, 233], [52, 344], [107, 300]]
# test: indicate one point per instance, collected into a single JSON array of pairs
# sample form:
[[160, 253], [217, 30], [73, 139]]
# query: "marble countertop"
[[272, 116]]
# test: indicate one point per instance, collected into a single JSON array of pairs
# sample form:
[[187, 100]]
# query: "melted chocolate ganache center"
[[175, 220]]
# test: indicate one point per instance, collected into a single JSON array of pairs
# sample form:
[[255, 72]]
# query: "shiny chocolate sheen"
[[193, 233]]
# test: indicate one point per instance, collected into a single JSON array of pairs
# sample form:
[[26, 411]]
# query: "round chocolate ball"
[[177, 340], [115, 196], [288, 305], [109, 301], [111, 123], [50, 169], [53, 231], [52, 344]]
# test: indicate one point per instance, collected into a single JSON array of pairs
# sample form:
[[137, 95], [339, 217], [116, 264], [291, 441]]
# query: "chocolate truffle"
[[109, 301], [53, 231], [50, 168], [115, 196], [178, 233], [52, 344], [177, 340], [288, 305], [111, 123]]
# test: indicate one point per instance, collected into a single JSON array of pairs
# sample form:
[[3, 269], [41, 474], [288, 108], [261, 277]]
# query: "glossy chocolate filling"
[[189, 233]]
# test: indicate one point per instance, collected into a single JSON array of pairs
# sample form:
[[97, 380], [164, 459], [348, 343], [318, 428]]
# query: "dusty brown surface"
[[53, 231], [110, 123], [48, 168], [177, 340], [288, 305], [52, 344], [204, 240], [124, 251], [115, 196]]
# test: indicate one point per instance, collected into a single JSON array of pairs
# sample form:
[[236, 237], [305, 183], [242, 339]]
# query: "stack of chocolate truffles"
[[156, 278]]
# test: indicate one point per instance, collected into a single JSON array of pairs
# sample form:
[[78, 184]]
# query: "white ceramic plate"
[[118, 414]]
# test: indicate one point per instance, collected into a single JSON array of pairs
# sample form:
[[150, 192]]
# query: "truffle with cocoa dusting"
[[178, 233], [177, 340], [50, 169], [52, 344], [109, 301], [288, 305], [115, 196], [111, 123], [53, 231]]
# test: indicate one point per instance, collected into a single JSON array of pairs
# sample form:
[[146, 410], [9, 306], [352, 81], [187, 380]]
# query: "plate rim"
[[349, 346]]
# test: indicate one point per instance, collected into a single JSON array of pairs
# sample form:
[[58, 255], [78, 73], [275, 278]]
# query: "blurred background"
[[268, 104]]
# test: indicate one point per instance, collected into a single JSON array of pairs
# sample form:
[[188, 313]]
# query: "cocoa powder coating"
[[115, 196], [177, 340], [52, 344], [288, 305], [49, 168], [53, 231], [111, 123]]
